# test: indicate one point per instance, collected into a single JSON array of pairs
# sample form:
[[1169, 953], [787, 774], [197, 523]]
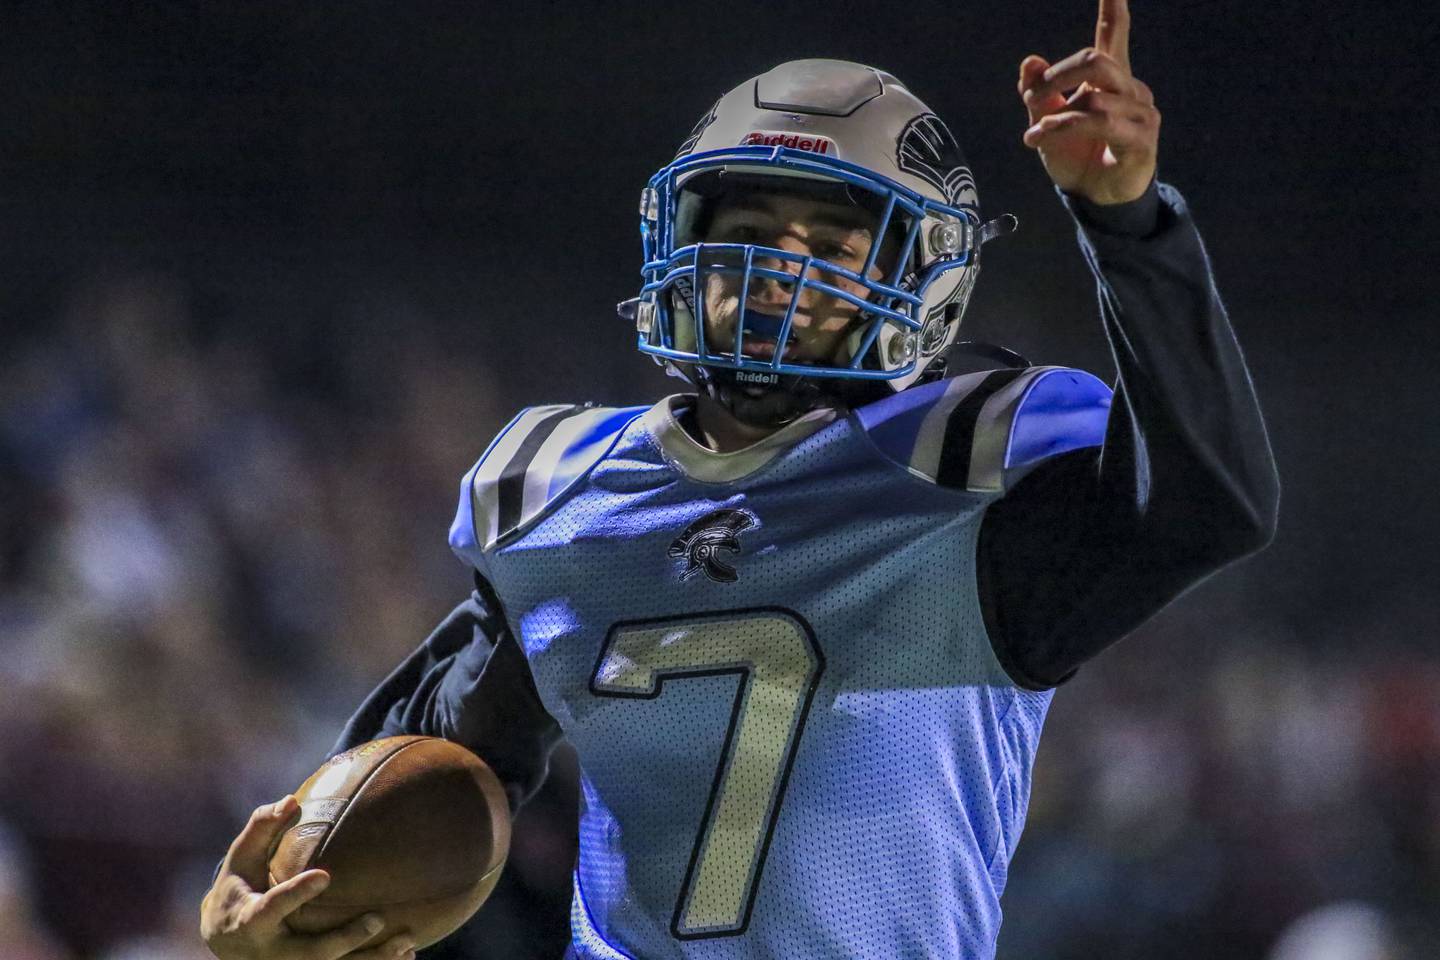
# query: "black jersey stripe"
[[510, 488], [954, 469]]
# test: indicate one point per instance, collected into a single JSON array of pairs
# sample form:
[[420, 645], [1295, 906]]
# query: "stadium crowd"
[[220, 531]]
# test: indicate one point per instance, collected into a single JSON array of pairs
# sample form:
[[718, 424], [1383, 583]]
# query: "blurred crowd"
[[220, 532]]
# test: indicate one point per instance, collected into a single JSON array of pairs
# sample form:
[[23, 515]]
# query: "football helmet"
[[843, 133]]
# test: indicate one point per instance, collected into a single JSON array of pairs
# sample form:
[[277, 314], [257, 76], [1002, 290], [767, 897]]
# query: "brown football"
[[415, 829]]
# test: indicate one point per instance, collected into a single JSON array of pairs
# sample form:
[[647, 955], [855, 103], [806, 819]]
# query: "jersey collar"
[[701, 463]]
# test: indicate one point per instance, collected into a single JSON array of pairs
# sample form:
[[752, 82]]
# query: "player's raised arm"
[[1094, 543], [240, 919], [1094, 125]]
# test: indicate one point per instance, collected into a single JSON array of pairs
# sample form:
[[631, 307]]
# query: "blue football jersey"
[[794, 737]]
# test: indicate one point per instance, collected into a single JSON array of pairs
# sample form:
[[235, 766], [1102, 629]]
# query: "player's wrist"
[[1139, 217]]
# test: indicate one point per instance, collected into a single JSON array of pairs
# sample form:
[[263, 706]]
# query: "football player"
[[802, 622]]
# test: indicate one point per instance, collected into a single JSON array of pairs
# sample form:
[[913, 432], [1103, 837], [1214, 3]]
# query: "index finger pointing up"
[[1112, 31]]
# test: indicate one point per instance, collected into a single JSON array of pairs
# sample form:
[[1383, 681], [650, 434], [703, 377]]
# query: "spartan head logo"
[[927, 150], [704, 540], [932, 335]]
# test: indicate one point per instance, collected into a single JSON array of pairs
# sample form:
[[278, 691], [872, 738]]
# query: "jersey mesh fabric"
[[822, 758]]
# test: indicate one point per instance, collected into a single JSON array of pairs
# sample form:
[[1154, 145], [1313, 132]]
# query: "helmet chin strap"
[[767, 406], [775, 405]]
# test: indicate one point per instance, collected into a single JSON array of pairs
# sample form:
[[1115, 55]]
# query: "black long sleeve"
[[468, 682], [1094, 542]]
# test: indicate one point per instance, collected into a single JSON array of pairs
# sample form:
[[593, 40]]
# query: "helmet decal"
[[927, 150], [933, 334], [811, 143], [695, 133]]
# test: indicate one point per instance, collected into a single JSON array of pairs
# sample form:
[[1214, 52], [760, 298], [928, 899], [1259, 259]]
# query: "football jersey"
[[794, 737]]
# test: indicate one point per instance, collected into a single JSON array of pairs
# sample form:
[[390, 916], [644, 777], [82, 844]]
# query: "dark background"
[[271, 276]]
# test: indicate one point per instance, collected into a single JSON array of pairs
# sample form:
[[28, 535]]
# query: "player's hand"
[[242, 920], [1095, 125]]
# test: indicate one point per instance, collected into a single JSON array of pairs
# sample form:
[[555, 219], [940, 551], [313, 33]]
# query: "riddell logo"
[[795, 141]]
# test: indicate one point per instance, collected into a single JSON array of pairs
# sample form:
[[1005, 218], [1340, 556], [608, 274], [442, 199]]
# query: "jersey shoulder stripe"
[[530, 466], [983, 431]]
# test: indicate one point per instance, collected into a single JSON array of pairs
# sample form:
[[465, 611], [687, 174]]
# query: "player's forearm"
[[404, 702], [1185, 410], [469, 682]]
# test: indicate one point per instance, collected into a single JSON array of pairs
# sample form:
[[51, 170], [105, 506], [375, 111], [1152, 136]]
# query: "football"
[[415, 829]]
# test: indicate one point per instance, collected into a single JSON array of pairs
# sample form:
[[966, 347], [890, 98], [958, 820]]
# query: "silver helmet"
[[835, 129]]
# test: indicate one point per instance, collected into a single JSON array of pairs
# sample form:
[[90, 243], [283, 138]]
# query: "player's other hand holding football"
[[241, 919]]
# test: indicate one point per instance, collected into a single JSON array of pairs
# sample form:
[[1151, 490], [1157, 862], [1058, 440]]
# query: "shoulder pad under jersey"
[[538, 458], [983, 431]]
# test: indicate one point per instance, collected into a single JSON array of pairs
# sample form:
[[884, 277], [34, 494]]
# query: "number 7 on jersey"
[[778, 662]]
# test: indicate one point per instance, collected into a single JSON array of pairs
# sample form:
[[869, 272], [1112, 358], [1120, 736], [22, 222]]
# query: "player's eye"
[[736, 232], [838, 252]]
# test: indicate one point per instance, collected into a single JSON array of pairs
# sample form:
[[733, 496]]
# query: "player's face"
[[839, 233]]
